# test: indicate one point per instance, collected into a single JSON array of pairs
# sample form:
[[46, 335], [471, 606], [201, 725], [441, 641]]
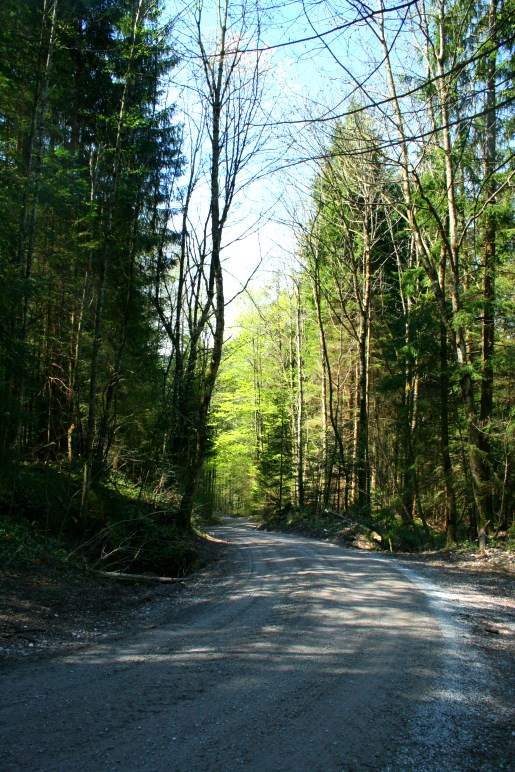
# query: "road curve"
[[304, 656]]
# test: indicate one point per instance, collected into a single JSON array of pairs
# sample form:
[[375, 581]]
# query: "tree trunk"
[[326, 461], [300, 403], [27, 234], [489, 273], [451, 517], [362, 450], [104, 263]]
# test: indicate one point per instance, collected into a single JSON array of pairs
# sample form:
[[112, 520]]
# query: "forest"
[[370, 377]]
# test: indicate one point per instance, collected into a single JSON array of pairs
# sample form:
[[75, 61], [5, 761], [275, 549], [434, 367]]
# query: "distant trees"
[[343, 252]]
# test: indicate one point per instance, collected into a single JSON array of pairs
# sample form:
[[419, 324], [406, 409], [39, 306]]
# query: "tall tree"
[[226, 81], [87, 152], [445, 222]]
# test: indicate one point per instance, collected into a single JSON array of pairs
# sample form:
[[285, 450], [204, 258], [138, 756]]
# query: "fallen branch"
[[331, 513], [139, 577]]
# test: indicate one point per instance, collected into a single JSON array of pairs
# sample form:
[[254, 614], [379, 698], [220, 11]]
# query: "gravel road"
[[303, 657]]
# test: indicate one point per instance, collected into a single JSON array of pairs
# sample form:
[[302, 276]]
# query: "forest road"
[[299, 656]]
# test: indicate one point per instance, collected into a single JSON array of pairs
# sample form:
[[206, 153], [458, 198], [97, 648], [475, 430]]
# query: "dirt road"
[[302, 657]]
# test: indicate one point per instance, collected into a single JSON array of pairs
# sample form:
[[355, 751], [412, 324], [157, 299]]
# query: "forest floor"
[[50, 609]]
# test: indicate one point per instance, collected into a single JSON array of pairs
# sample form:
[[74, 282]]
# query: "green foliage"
[[385, 320], [88, 158], [131, 528], [405, 294], [399, 536], [21, 544]]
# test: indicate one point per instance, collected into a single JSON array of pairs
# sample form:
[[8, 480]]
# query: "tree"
[[456, 101], [87, 151], [227, 87]]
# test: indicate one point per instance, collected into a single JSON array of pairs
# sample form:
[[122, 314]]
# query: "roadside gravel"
[[473, 599]]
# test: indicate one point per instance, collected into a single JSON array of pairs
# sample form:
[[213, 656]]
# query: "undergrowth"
[[130, 527], [383, 530]]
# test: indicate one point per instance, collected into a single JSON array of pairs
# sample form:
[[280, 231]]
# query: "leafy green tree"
[[89, 159], [449, 207]]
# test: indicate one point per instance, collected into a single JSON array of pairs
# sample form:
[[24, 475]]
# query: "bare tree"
[[225, 87]]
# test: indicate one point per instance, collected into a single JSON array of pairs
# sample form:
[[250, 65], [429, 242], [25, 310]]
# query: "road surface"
[[302, 656]]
